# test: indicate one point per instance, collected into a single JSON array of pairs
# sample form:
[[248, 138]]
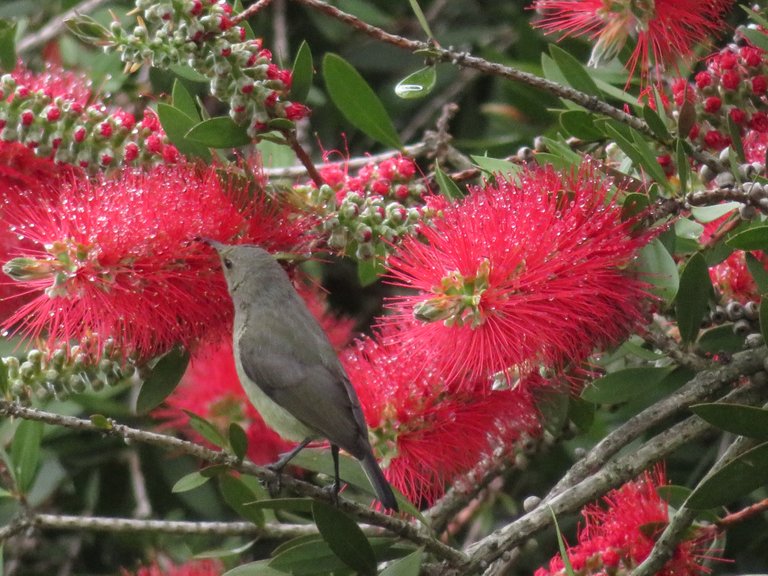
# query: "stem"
[[362, 513], [52, 29], [301, 154]]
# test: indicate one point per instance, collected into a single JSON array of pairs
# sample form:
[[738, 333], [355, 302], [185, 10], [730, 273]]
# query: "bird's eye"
[[227, 263]]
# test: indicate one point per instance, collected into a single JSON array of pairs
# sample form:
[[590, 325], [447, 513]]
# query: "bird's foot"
[[275, 485], [333, 491]]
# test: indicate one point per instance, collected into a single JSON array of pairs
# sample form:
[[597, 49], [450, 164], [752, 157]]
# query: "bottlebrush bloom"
[[211, 388], [192, 568], [426, 437], [115, 257], [616, 538], [520, 274], [665, 30]]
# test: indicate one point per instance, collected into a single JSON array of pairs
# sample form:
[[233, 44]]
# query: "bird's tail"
[[380, 484]]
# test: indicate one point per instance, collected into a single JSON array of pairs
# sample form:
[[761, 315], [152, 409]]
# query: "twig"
[[742, 515], [396, 526], [250, 11], [301, 154], [55, 26], [493, 547], [143, 507], [702, 386]]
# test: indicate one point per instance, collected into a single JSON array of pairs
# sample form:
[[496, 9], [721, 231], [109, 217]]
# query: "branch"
[[434, 52], [55, 26], [493, 547], [362, 513], [702, 386]]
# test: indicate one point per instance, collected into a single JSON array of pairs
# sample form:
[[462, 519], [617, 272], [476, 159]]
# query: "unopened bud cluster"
[[732, 88], [82, 368], [744, 316], [363, 215], [88, 136], [201, 34]]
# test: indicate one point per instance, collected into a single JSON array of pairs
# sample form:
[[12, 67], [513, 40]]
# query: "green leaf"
[[165, 376], [189, 482], [225, 552], [755, 238], [417, 84], [655, 123], [308, 559], [408, 566], [581, 412], [492, 166], [238, 440], [735, 418], [448, 187], [101, 421], [650, 163], [738, 478], [719, 339], [302, 72], [176, 125], [552, 405], [757, 37], [736, 144], [693, 297], [258, 568], [357, 102], [183, 100], [658, 268], [758, 272], [219, 132], [287, 504], [88, 30], [562, 547], [580, 124], [574, 72], [634, 203], [705, 214], [344, 537], [25, 453], [421, 18], [206, 429], [237, 495], [625, 384], [369, 271], [7, 45], [188, 73]]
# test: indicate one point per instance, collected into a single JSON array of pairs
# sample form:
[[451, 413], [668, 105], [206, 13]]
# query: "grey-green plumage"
[[286, 364]]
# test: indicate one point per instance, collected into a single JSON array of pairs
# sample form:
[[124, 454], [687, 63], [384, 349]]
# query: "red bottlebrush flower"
[[665, 30], [56, 82], [712, 104], [520, 274], [193, 568], [115, 257], [623, 532], [425, 437]]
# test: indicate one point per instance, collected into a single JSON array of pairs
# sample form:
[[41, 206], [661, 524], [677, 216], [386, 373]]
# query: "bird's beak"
[[211, 242]]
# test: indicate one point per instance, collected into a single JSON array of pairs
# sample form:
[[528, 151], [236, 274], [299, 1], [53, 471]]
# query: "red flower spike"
[[518, 275], [116, 258], [427, 438], [617, 533], [192, 568], [665, 30]]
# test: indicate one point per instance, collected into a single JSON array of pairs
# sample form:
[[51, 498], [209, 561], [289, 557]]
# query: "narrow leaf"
[[738, 478], [287, 504], [448, 187], [302, 72], [757, 37], [764, 317], [176, 125], [206, 429], [421, 18], [7, 45], [625, 384], [369, 271], [574, 71], [258, 568], [735, 418], [418, 84], [705, 214], [758, 272], [184, 101], [693, 297], [219, 132], [658, 268], [683, 170], [237, 495], [736, 144], [344, 537], [755, 238], [655, 123], [580, 124], [493, 166], [357, 102], [25, 453], [408, 566], [165, 376], [562, 547], [189, 482], [238, 440]]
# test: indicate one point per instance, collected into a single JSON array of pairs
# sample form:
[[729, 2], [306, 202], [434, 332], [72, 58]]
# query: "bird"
[[289, 369]]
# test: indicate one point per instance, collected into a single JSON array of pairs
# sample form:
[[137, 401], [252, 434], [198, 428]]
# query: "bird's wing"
[[312, 388]]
